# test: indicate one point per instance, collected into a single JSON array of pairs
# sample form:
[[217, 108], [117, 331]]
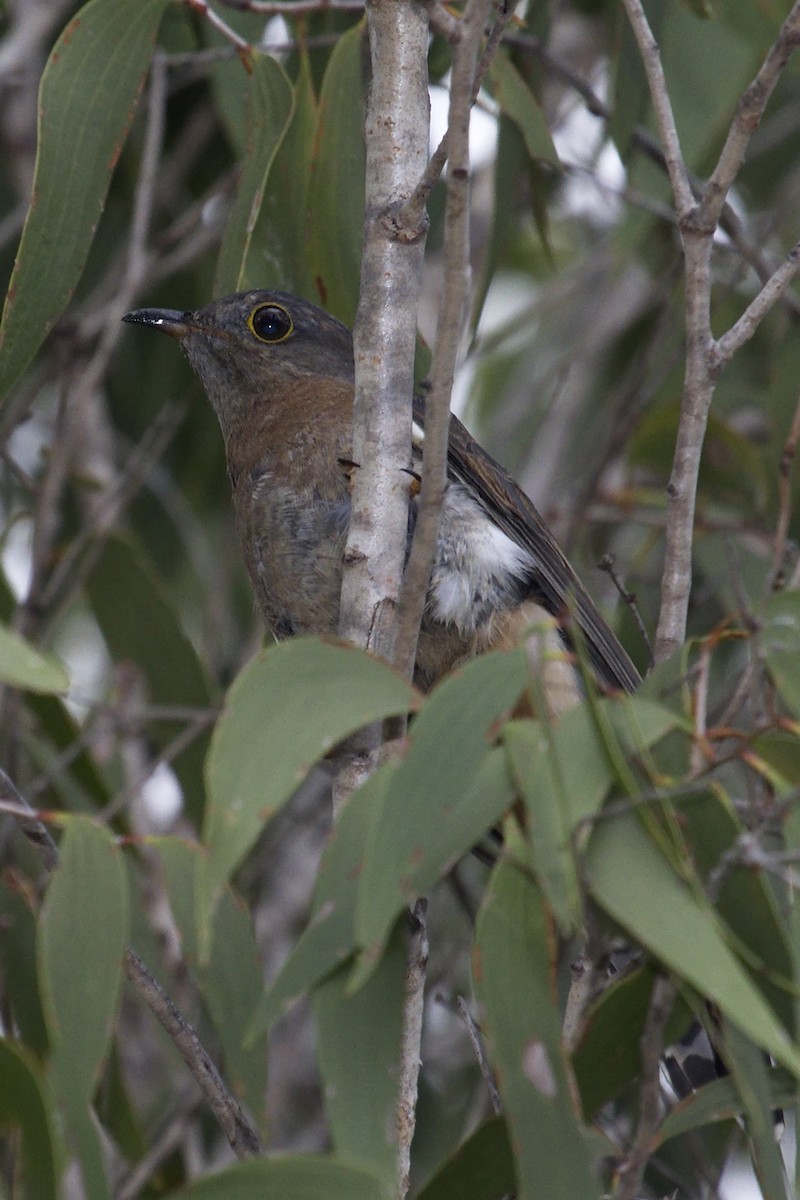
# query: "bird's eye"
[[270, 323]]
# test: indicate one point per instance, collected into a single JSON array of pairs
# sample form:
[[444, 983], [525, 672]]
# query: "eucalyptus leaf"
[[87, 100]]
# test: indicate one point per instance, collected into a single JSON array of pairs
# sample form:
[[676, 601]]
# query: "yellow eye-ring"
[[270, 323]]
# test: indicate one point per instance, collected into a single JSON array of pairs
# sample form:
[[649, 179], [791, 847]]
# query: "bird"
[[279, 373]]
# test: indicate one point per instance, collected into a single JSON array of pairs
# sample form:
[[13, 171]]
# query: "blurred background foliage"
[[118, 552]]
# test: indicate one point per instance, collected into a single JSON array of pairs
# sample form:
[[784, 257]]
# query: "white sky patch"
[[482, 129], [162, 798]]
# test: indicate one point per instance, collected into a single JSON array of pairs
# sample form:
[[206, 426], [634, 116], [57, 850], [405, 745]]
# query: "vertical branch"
[[632, 1170], [697, 223], [413, 1011], [448, 332], [398, 117], [385, 335]]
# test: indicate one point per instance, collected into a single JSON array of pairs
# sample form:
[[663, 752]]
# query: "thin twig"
[[413, 1010], [629, 599], [665, 119], [632, 1171], [744, 328], [582, 988], [241, 1135], [785, 494], [242, 47], [700, 701], [442, 21], [473, 1033], [34, 829], [413, 209], [78, 561], [165, 1141]]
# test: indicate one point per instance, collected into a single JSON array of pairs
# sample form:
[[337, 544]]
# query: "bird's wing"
[[553, 582]]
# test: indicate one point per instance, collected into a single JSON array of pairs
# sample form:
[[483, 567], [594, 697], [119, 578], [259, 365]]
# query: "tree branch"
[[396, 133], [697, 222], [448, 334], [665, 118], [413, 1011], [749, 112]]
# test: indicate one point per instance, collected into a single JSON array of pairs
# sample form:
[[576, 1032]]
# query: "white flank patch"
[[475, 558]]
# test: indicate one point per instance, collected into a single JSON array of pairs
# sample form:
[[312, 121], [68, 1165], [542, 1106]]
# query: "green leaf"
[[631, 95], [563, 774], [231, 985], [269, 111], [329, 938], [514, 976], [746, 902], [720, 1101], [25, 1105], [279, 248], [87, 99], [748, 1068], [231, 982], [538, 779], [482, 1168], [609, 1055], [306, 1177], [140, 623], [336, 194], [20, 979], [688, 46], [24, 667], [83, 932], [358, 1052], [450, 788], [288, 708], [518, 103], [631, 879], [229, 78]]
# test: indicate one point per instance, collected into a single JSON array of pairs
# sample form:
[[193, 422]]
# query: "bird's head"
[[253, 348]]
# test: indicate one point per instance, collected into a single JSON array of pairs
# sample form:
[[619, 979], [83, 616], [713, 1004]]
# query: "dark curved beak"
[[168, 320]]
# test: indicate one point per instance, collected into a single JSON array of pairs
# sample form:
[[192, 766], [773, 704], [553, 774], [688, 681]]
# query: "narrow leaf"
[[269, 111], [720, 1101], [336, 194], [631, 879], [514, 975], [82, 936], [329, 938], [444, 796], [123, 586], [358, 1051], [482, 1168], [87, 100], [518, 102], [25, 667], [288, 708], [309, 1177], [231, 982], [25, 1105], [279, 248]]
